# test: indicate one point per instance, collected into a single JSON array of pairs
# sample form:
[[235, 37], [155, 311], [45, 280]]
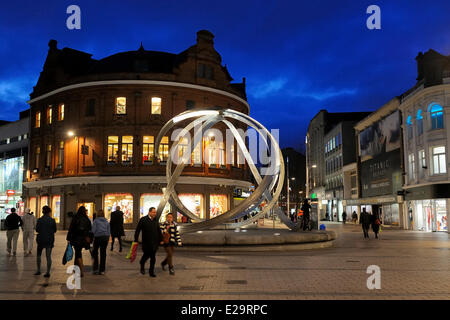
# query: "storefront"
[[194, 203], [429, 215], [149, 200], [218, 204], [124, 201]]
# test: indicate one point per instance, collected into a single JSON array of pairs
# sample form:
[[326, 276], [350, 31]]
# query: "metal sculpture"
[[268, 189]]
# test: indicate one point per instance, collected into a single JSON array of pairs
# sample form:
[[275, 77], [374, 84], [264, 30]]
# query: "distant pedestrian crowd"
[[93, 236]]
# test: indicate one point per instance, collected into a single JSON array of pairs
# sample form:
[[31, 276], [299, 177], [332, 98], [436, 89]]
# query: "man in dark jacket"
[[116, 225], [365, 220], [151, 239], [46, 228], [306, 208], [12, 224]]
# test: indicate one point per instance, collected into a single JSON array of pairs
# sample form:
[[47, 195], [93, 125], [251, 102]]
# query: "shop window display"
[[89, 208], [43, 202], [56, 208], [149, 200], [124, 201], [217, 205], [194, 202]]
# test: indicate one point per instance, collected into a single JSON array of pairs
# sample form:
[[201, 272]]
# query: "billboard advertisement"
[[383, 136], [11, 175], [381, 175]]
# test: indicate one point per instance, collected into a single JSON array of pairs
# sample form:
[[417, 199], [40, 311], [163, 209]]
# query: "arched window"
[[419, 122], [409, 126], [436, 116]]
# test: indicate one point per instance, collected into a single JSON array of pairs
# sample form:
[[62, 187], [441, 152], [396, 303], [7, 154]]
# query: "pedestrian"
[[344, 217], [365, 221], [79, 236], [46, 229], [306, 214], [171, 237], [117, 231], [101, 230], [28, 227], [376, 224], [12, 223], [151, 239], [355, 217]]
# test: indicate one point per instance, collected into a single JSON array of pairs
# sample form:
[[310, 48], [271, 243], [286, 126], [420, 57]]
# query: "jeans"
[[13, 236], [48, 255], [112, 242], [102, 243], [28, 240], [149, 254]]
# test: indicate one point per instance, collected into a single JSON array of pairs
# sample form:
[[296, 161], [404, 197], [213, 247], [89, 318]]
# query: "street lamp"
[[70, 133], [314, 166]]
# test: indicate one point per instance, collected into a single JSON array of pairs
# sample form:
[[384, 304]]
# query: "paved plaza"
[[414, 265]]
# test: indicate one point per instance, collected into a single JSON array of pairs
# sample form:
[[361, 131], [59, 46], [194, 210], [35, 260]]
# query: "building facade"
[[380, 164], [94, 124], [426, 135], [14, 141]]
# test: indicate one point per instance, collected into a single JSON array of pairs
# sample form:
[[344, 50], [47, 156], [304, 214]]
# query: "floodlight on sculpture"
[[268, 189]]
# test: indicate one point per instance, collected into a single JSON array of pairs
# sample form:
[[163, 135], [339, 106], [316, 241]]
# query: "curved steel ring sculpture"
[[269, 187]]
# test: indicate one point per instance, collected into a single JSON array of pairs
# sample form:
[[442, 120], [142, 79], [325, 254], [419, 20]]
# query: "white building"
[[426, 134]]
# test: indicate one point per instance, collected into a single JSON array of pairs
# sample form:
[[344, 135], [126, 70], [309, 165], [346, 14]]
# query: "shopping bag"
[[380, 229], [133, 252], [68, 254]]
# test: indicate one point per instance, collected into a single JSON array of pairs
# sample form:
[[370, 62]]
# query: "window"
[[197, 154], [422, 163], [49, 115], [182, 147], [205, 71], [218, 204], [121, 105], [419, 123], [190, 104], [409, 126], [56, 208], [90, 108], [164, 149], [60, 155], [148, 149], [230, 160], [61, 112], [37, 158], [412, 167], [124, 201], [113, 148], [38, 120], [437, 116], [48, 156], [127, 149], [438, 160], [156, 105]]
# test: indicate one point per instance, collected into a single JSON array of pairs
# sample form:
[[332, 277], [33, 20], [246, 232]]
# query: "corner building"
[[94, 125]]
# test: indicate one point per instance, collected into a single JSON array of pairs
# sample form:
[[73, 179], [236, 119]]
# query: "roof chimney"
[[52, 44], [205, 38]]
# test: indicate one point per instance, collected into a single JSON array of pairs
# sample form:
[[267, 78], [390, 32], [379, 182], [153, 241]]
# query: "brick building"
[[94, 125]]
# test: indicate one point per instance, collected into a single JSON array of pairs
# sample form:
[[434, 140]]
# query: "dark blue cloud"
[[298, 56]]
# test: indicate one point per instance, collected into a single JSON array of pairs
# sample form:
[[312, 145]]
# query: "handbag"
[[166, 236], [68, 254], [377, 222]]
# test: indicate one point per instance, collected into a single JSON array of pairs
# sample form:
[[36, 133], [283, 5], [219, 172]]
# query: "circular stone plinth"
[[254, 240]]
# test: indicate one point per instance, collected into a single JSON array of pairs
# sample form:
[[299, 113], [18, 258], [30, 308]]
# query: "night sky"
[[298, 56]]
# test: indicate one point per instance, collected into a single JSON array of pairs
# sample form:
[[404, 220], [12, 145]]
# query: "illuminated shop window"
[[127, 149], [32, 205], [56, 208], [43, 202], [196, 156], [193, 202], [148, 149], [37, 156], [89, 208], [121, 105], [149, 200], [156, 105], [113, 149], [124, 201], [218, 204], [182, 148], [61, 112], [164, 149]]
